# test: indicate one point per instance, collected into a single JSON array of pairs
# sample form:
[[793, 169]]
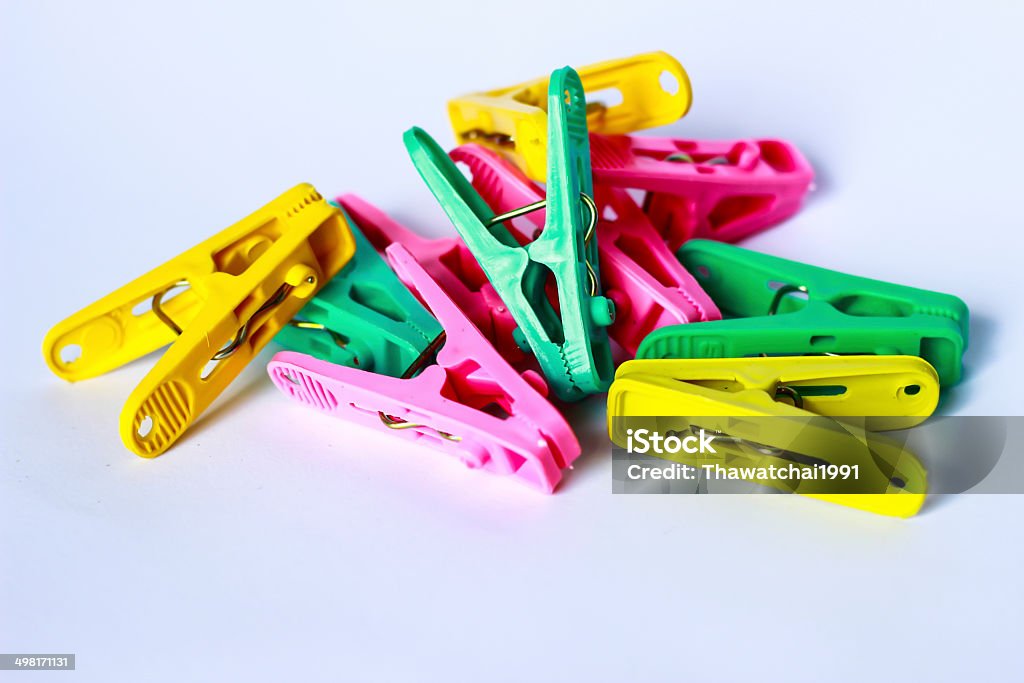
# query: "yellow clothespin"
[[777, 408], [219, 303], [623, 95]]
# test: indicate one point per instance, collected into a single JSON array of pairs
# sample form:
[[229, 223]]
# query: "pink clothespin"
[[471, 403], [720, 190], [649, 286], [451, 264]]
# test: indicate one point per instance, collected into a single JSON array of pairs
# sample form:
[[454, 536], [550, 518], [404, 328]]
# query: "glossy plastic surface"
[[639, 274], [451, 264], [741, 402], [724, 190], [816, 311], [470, 404], [570, 342], [364, 317], [244, 284], [624, 95], [891, 392]]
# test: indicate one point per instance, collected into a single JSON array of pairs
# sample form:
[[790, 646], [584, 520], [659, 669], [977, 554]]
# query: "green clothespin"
[[570, 341], [363, 318], [782, 307]]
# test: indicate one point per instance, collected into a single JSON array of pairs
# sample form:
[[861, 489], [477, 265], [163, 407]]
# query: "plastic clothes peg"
[[243, 285], [777, 410], [470, 403], [643, 91], [722, 190], [570, 342], [364, 317], [639, 274], [782, 307]]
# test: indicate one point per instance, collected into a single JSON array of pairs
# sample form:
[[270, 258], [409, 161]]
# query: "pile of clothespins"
[[462, 343]]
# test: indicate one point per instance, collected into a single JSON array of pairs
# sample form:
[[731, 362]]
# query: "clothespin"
[[243, 285], [364, 317], [470, 403], [782, 307], [570, 341], [778, 410], [639, 274], [721, 190], [643, 91], [450, 263]]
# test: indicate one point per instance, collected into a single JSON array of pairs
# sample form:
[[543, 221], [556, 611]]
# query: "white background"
[[276, 544]]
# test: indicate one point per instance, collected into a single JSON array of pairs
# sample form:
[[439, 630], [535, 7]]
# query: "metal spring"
[[392, 422], [243, 331], [686, 158], [588, 201]]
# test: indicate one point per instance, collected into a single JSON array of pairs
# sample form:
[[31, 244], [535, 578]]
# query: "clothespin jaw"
[[646, 282], [653, 87], [570, 343], [364, 317], [786, 307], [781, 409], [244, 284], [887, 392], [470, 403], [723, 190], [451, 264]]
